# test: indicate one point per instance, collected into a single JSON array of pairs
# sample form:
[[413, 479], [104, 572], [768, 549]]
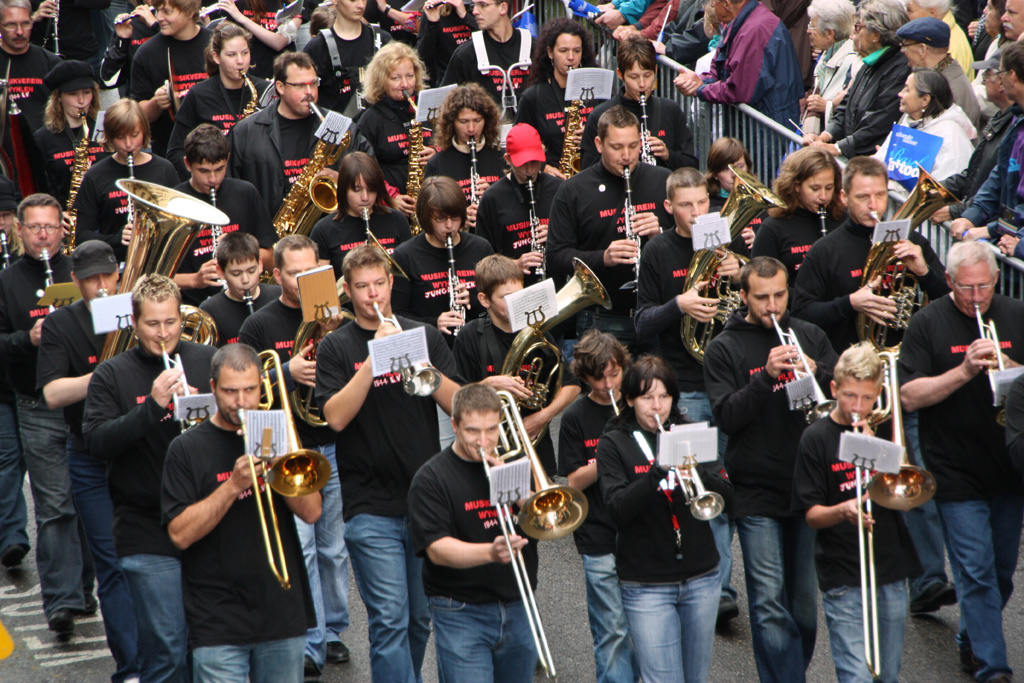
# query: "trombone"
[[421, 379], [987, 330], [704, 505], [867, 574], [821, 406]]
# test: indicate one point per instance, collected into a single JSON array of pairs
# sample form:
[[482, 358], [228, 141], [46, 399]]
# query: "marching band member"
[[746, 371], [131, 31], [128, 423], [238, 265], [28, 63], [441, 32], [69, 351], [259, 19], [599, 360], [723, 153], [276, 326], [209, 506], [666, 559], [979, 493], [384, 435]]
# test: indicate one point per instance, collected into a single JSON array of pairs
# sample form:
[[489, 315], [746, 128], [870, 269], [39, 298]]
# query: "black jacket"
[[983, 159], [871, 106]]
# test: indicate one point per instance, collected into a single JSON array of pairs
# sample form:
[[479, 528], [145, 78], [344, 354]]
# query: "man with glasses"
[[942, 367]]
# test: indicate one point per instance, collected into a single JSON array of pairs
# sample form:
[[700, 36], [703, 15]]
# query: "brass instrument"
[[868, 582], [820, 407], [535, 245], [986, 330], [420, 379], [167, 223], [904, 288], [569, 164], [535, 359], [453, 284], [302, 397], [254, 98], [197, 326], [646, 156], [300, 209], [415, 178], [704, 505], [474, 175], [79, 167], [627, 219], [176, 364]]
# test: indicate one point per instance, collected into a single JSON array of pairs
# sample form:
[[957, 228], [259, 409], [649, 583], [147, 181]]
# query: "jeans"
[[482, 643], [323, 548], [673, 627], [619, 326], [275, 661], [13, 512], [96, 512], [924, 524], [58, 545], [782, 594], [846, 631], [389, 578], [697, 408], [613, 652], [155, 583], [984, 536]]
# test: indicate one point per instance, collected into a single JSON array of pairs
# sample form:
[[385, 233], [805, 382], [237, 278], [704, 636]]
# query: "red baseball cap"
[[523, 144]]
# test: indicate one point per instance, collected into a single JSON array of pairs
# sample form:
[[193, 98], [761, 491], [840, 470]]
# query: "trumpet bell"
[[819, 411], [299, 473], [422, 381], [910, 488], [553, 513], [708, 506]]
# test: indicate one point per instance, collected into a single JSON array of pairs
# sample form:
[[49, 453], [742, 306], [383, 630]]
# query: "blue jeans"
[[484, 643], [613, 653], [58, 546], [984, 536], [96, 512], [275, 661], [782, 594], [846, 631], [389, 578], [673, 627], [13, 512], [696, 406], [323, 548], [924, 524], [155, 583]]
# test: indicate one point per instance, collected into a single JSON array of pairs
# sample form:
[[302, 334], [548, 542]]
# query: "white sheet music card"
[[101, 118], [588, 85], [891, 231], [194, 407], [675, 447], [332, 128], [711, 233], [428, 103], [800, 392], [398, 351], [256, 424], [288, 11], [871, 452], [533, 305], [510, 482], [1002, 380], [111, 313]]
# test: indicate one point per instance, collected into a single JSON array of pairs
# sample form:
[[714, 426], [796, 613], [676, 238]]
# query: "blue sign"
[[909, 148]]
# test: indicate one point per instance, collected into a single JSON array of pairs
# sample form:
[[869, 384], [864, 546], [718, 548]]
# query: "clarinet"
[[474, 177], [821, 217], [453, 283], [247, 298], [366, 222], [56, 28], [646, 155], [5, 249], [44, 256], [627, 219], [215, 230], [534, 230], [131, 176]]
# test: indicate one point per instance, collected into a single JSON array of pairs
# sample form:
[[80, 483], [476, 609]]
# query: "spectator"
[[925, 43], [1013, 19], [621, 12], [756, 63], [685, 39], [871, 105], [992, 24], [831, 22], [959, 46]]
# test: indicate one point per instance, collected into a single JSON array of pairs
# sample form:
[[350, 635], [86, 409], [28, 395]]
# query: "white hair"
[[969, 253], [836, 15], [942, 6]]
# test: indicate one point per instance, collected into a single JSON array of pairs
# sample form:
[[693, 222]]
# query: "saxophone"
[[254, 99], [415, 179], [298, 213], [78, 170], [646, 155], [569, 164]]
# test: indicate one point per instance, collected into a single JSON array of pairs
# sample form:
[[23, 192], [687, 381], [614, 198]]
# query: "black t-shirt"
[[58, 150], [543, 106], [450, 497], [103, 208], [463, 66], [74, 29], [392, 435], [962, 444], [241, 202], [262, 54], [437, 41], [336, 236], [664, 121], [275, 327], [296, 135], [386, 126], [338, 87], [582, 425], [400, 32], [116, 67], [231, 596], [127, 429], [230, 315], [150, 71], [424, 296], [587, 215], [788, 239], [819, 478], [490, 165], [27, 89]]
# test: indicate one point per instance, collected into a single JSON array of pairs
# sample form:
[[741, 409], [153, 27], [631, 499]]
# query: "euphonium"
[[78, 169], [748, 198], [415, 178], [569, 164], [254, 98], [904, 289], [646, 155], [535, 359]]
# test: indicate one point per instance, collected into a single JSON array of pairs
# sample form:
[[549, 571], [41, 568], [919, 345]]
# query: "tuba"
[[904, 289], [535, 359], [166, 222], [749, 197]]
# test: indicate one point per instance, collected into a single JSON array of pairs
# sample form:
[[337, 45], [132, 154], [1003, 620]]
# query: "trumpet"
[[420, 379], [821, 406], [535, 230], [987, 330], [453, 284], [868, 583], [704, 505], [646, 155], [176, 364], [627, 218], [474, 175]]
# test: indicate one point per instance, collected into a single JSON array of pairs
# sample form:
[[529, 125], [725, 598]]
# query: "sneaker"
[[337, 652], [968, 663], [935, 596], [309, 668], [727, 611], [13, 555], [62, 622]]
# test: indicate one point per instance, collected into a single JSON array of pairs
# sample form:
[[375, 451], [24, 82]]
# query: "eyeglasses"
[[36, 228], [904, 46], [969, 289], [12, 26], [310, 84], [1000, 72], [483, 5], [857, 27]]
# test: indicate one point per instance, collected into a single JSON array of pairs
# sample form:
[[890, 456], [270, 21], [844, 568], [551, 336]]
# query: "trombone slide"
[[868, 582], [279, 568]]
